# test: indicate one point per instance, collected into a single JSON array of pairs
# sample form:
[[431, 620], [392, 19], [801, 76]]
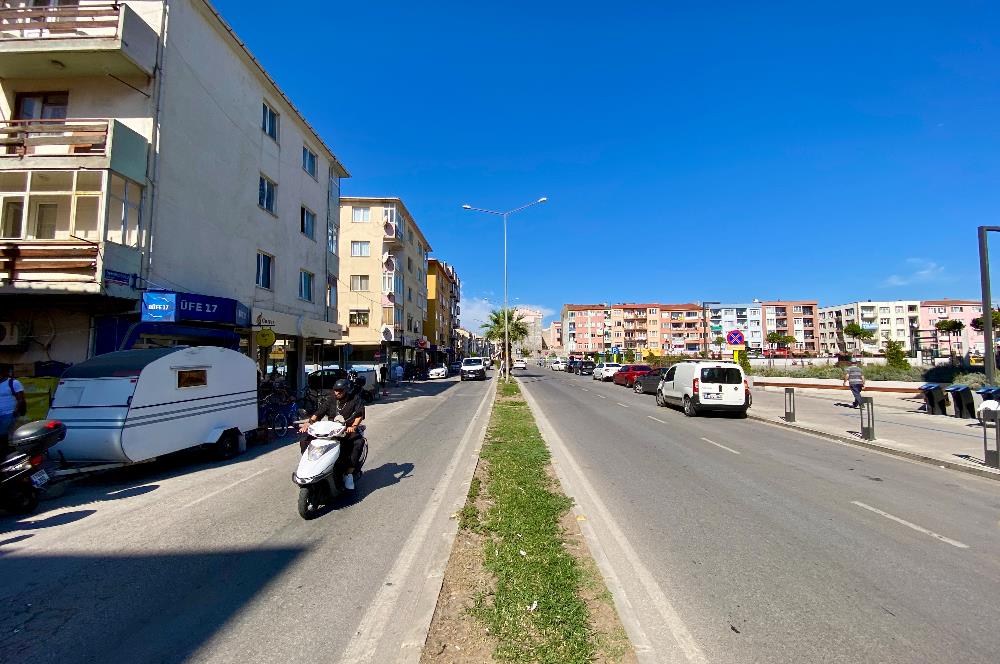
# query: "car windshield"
[[587, 364], [724, 375], [472, 362], [612, 364], [642, 367]]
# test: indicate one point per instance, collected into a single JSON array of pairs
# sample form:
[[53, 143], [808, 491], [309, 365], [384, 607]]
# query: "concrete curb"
[[913, 456]]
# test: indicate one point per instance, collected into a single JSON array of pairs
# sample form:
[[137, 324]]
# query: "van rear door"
[[722, 386]]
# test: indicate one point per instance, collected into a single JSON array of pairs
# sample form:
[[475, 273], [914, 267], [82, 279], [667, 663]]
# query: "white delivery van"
[[135, 405], [703, 386]]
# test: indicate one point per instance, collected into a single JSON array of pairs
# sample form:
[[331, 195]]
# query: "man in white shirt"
[[12, 403]]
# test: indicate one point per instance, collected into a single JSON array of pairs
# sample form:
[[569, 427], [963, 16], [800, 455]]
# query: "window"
[[361, 215], [796, 309], [266, 197], [883, 310], [362, 248], [359, 282], [192, 377], [307, 223], [884, 321], [309, 161], [269, 122], [331, 238], [306, 285], [409, 264], [956, 310], [900, 321], [265, 268], [359, 317], [409, 294], [899, 310]]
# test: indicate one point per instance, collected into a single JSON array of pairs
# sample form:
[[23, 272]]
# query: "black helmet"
[[342, 385]]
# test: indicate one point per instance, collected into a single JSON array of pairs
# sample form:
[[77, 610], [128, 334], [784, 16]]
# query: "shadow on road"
[[425, 388], [20, 524]]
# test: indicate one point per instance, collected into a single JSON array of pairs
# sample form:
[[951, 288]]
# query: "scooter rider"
[[349, 405]]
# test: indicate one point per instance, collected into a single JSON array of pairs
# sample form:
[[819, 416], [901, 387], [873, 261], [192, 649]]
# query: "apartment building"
[[443, 297], [793, 318], [895, 319], [967, 341], [747, 318], [532, 319], [682, 330], [384, 262], [586, 328], [156, 187], [552, 337]]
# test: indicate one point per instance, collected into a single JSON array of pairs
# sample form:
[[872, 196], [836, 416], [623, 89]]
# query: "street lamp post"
[[989, 359], [704, 322], [506, 313]]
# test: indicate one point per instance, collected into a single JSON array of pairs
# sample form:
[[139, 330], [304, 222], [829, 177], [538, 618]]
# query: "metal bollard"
[[992, 457], [867, 418], [789, 404]]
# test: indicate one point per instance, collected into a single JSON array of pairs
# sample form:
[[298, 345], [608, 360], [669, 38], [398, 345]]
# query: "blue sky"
[[689, 151]]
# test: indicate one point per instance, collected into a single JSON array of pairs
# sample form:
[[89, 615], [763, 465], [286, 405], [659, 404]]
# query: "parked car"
[[648, 382], [605, 370], [585, 368], [519, 364], [628, 373], [473, 368], [572, 364], [776, 352], [558, 364], [438, 371], [454, 368], [703, 386]]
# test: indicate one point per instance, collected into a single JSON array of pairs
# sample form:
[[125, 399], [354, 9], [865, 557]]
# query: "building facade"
[[552, 337], [898, 320], [383, 262], [532, 319], [139, 212], [586, 328], [968, 340], [443, 309]]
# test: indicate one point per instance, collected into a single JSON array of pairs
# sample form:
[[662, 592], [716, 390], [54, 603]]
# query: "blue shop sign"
[[196, 307], [159, 307]]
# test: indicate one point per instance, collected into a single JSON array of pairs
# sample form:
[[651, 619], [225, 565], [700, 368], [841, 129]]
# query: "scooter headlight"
[[319, 448]]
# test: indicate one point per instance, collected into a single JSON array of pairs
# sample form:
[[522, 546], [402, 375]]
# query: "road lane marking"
[[585, 389], [226, 488], [728, 449], [622, 405], [656, 419], [602, 396], [914, 526]]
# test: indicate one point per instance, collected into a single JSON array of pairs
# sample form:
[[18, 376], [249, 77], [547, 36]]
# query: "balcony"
[[91, 39], [91, 144]]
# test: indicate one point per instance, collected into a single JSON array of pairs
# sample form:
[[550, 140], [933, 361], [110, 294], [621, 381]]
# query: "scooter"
[[317, 475], [22, 476]]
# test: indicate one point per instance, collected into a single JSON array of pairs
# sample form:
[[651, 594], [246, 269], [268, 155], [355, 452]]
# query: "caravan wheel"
[[228, 446]]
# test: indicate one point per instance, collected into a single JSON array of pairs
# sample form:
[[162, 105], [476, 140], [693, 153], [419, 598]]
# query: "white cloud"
[[475, 312], [920, 271]]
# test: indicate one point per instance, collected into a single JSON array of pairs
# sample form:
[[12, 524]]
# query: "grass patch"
[[536, 611], [468, 518]]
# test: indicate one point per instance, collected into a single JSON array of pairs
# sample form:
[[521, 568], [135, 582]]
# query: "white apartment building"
[[898, 320], [747, 318], [156, 187], [383, 298], [533, 321]]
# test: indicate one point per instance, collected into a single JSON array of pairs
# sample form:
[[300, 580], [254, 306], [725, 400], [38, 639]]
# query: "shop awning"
[[297, 326]]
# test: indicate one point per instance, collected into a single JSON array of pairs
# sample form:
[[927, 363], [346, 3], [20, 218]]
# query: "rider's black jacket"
[[350, 408]]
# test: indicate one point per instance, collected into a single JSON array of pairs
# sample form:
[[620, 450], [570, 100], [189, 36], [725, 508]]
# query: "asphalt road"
[[187, 560], [728, 540]]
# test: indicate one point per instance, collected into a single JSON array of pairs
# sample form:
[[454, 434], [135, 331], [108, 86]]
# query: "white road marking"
[[622, 405], [729, 449], [385, 607], [226, 488], [655, 419], [914, 526], [585, 389], [602, 396]]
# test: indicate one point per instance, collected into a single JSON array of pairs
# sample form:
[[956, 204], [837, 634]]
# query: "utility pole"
[[989, 358]]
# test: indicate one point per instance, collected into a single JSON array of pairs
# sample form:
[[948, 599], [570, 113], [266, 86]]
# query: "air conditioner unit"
[[8, 334]]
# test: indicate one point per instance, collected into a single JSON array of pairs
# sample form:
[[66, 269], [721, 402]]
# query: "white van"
[[703, 386]]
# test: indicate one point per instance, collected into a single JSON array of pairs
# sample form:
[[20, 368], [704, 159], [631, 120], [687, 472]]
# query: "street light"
[[989, 359], [506, 316]]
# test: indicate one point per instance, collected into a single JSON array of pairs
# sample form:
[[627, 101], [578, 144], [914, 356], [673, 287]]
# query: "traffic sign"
[[735, 337], [615, 350]]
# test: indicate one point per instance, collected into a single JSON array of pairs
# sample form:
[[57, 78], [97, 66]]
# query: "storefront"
[[300, 342]]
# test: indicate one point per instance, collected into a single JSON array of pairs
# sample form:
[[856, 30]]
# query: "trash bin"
[[935, 400], [961, 400]]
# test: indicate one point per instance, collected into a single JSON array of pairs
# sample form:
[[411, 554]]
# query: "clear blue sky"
[[719, 152]]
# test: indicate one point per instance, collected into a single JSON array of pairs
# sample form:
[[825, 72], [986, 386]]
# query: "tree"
[[779, 339], [895, 356], [950, 328], [858, 333], [629, 356], [977, 323], [493, 330]]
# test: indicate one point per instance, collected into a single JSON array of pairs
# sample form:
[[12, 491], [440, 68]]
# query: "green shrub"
[[895, 356]]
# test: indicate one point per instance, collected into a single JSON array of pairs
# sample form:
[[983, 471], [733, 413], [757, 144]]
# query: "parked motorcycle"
[[318, 476], [21, 474]]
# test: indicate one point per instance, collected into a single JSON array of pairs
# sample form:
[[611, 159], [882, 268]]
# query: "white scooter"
[[318, 483]]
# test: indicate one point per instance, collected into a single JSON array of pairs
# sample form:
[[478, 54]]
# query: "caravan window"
[[192, 378]]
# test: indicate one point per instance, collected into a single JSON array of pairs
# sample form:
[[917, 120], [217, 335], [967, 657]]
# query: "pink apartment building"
[[585, 328], [968, 340]]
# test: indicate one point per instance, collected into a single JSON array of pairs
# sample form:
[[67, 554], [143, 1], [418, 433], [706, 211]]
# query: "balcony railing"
[[56, 138], [60, 22], [34, 260]]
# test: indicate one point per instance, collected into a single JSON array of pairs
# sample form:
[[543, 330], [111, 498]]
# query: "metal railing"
[[20, 138], [60, 22]]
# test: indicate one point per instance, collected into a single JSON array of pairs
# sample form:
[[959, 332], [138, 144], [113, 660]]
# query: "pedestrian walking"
[[381, 375], [854, 378], [12, 403], [398, 371]]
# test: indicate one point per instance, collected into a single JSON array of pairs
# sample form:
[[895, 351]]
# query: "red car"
[[777, 352], [627, 374]]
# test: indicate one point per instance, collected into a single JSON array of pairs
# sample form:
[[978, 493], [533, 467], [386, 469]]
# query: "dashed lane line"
[[656, 419], [914, 526], [728, 449]]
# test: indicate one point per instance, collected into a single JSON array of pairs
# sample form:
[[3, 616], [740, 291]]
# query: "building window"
[[331, 238], [884, 321], [309, 161], [361, 215], [362, 248], [359, 282], [307, 223], [359, 318], [956, 310], [267, 194], [265, 269], [409, 294], [306, 285], [409, 264], [269, 122], [899, 310]]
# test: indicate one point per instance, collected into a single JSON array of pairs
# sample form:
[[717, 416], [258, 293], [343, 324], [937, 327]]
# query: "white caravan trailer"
[[135, 405]]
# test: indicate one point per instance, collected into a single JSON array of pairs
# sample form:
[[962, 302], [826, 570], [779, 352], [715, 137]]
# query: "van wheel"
[[741, 414], [228, 446], [689, 408]]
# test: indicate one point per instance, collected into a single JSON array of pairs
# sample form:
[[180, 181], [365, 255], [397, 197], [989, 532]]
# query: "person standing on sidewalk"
[[12, 404], [854, 378]]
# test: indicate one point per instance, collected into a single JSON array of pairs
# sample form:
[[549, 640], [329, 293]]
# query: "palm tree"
[[493, 329]]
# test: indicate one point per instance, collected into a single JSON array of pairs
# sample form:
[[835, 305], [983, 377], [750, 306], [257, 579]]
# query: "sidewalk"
[[900, 428]]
